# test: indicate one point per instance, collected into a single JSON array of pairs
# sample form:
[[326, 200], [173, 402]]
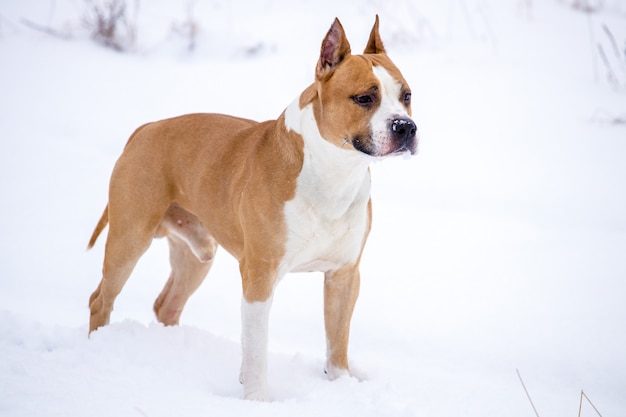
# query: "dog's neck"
[[330, 175]]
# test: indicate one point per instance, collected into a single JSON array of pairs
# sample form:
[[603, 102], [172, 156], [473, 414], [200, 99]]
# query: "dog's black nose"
[[404, 130]]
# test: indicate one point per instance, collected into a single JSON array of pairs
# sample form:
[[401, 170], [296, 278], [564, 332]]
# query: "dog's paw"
[[334, 372], [253, 388], [256, 394]]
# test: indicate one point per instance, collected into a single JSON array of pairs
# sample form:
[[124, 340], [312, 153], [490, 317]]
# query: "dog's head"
[[361, 102]]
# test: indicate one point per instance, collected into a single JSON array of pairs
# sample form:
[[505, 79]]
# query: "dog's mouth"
[[406, 149], [363, 145], [385, 148]]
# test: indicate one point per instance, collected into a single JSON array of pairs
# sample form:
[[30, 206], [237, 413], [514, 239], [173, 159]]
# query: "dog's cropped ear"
[[375, 44], [335, 48]]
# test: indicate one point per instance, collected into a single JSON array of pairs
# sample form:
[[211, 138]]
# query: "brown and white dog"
[[281, 196]]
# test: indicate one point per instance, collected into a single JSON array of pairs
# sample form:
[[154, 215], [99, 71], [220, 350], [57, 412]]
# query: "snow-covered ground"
[[501, 246]]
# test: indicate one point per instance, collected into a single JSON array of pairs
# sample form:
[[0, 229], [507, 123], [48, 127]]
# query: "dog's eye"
[[407, 98], [364, 100]]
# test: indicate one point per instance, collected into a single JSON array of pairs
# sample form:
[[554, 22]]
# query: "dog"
[[285, 195]]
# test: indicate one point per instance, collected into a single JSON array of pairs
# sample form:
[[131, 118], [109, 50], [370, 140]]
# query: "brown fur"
[[220, 169]]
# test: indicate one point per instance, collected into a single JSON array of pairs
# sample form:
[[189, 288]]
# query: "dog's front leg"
[[254, 335], [255, 310], [341, 289]]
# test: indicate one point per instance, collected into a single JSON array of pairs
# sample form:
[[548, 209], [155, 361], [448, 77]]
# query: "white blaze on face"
[[390, 108]]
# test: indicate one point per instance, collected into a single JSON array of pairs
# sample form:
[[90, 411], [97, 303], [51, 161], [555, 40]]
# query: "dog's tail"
[[102, 223]]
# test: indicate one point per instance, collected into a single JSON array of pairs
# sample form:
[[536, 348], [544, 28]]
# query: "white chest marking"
[[327, 219]]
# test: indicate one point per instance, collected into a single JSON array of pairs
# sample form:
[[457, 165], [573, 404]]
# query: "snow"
[[501, 246]]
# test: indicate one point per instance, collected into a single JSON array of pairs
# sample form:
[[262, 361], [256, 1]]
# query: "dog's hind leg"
[[192, 249], [125, 245], [187, 274]]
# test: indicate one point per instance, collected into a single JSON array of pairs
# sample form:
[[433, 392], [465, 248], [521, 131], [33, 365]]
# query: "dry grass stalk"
[[109, 24], [526, 391]]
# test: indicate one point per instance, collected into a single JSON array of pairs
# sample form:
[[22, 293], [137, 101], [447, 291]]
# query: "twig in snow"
[[609, 34], [580, 407], [618, 60], [610, 74], [44, 29], [140, 411], [527, 394], [109, 23]]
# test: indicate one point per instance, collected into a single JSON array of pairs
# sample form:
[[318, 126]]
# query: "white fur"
[[254, 340], [327, 219]]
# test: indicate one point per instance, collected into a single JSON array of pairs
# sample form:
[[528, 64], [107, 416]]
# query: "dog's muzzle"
[[404, 132], [399, 138]]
